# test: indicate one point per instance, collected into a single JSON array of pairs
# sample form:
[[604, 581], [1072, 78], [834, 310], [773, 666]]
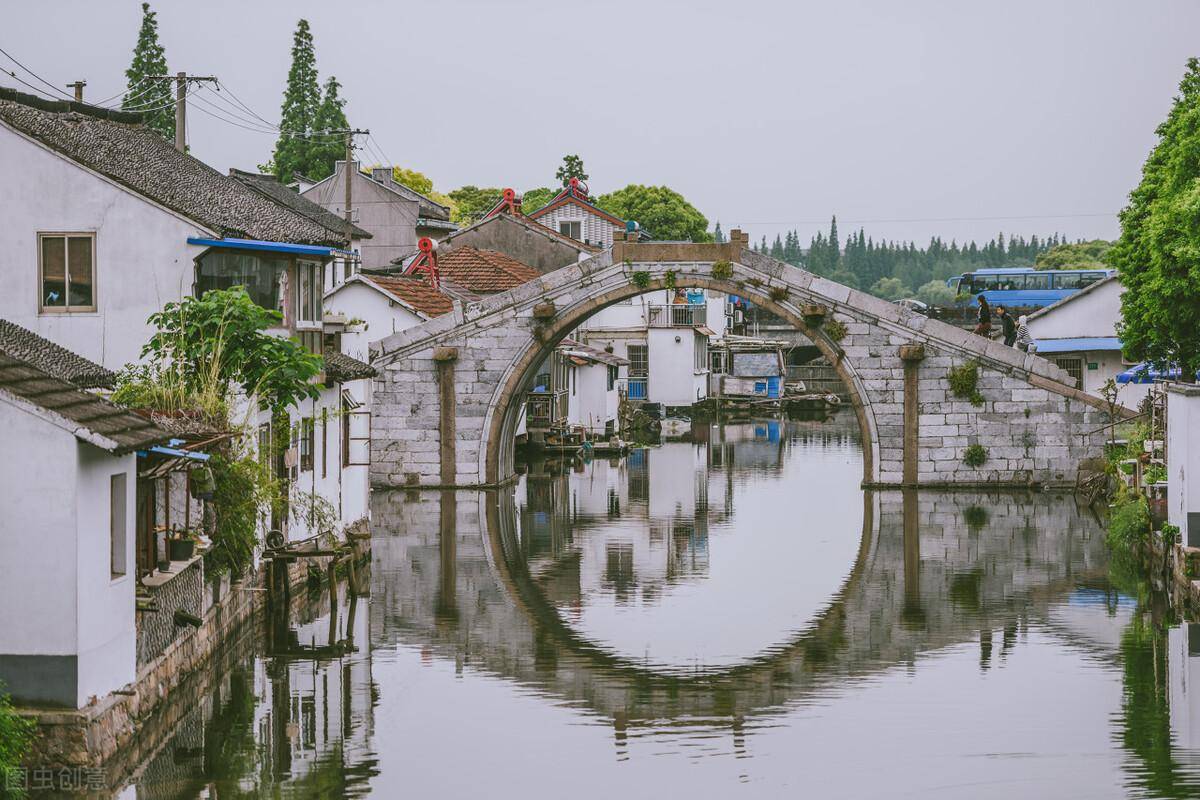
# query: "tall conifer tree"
[[301, 100], [325, 149], [151, 97]]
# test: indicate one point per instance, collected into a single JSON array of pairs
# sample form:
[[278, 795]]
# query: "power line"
[[251, 111], [35, 75]]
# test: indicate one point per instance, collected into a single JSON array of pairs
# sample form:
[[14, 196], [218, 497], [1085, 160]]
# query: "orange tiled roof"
[[484, 271], [415, 292]]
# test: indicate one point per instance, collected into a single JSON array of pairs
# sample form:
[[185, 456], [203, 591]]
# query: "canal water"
[[727, 614]]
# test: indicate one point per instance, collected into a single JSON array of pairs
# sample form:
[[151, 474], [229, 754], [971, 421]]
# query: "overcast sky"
[[909, 118]]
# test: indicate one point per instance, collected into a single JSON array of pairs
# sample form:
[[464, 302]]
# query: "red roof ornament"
[[426, 262], [578, 187]]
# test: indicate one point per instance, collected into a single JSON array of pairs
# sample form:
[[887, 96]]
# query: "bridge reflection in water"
[[730, 609]]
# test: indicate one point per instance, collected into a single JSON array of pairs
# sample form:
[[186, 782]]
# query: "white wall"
[[1183, 460], [590, 403], [142, 257], [384, 317], [595, 229], [37, 535], [107, 639], [1095, 313], [56, 589], [674, 380]]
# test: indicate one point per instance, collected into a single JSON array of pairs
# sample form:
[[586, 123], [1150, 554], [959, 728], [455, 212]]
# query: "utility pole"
[[181, 83], [350, 134], [78, 87]]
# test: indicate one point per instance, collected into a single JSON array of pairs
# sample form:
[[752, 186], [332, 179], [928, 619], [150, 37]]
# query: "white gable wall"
[[142, 257], [383, 316], [596, 230], [1095, 313]]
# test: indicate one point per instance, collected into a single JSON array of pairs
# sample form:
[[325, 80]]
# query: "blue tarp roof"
[[1144, 373], [1079, 344], [276, 247]]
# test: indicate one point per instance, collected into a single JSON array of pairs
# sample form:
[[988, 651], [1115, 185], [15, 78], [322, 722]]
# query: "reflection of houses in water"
[[300, 715]]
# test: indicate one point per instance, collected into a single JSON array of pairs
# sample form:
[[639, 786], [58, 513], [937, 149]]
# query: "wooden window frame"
[[118, 526], [66, 237], [307, 442]]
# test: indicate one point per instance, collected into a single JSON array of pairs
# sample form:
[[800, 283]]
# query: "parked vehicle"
[[913, 304]]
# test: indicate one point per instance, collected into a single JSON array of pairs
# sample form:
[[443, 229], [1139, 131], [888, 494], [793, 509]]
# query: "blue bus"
[[1019, 289]]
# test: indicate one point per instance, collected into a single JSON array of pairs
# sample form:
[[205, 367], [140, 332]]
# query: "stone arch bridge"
[[449, 392]]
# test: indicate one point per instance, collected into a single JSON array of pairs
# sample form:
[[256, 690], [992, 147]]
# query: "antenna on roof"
[[426, 262]]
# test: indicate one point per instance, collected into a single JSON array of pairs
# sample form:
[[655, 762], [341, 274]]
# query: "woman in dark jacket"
[[984, 328]]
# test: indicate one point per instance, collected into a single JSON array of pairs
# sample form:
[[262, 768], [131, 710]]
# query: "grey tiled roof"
[[59, 362], [116, 146], [270, 186], [340, 368], [90, 417]]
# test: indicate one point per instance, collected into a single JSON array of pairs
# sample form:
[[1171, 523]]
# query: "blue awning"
[[172, 449], [275, 247], [1078, 345]]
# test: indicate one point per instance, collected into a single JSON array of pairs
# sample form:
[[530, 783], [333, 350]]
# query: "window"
[[264, 447], [117, 524], [612, 377], [261, 275], [572, 228], [307, 436], [313, 342], [1073, 366], [324, 442], [309, 282], [700, 354], [1037, 282], [67, 272], [716, 361], [639, 361]]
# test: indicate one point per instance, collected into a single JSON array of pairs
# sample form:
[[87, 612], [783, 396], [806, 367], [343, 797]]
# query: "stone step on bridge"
[[450, 392]]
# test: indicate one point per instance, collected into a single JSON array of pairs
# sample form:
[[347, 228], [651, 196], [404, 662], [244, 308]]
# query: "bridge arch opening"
[[501, 422]]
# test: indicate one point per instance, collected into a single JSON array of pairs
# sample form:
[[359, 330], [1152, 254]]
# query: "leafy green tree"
[[936, 293], [534, 199], [324, 149], [846, 278], [890, 289], [1158, 254], [417, 181], [660, 210], [149, 58], [572, 167], [301, 101], [1078, 255], [472, 202], [211, 342]]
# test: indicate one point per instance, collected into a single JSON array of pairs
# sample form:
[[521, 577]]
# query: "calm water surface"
[[726, 616]]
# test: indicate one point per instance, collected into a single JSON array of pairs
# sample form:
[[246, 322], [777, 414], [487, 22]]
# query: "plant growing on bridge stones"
[[669, 278], [778, 294], [835, 329], [722, 270], [964, 382], [976, 455], [640, 279]]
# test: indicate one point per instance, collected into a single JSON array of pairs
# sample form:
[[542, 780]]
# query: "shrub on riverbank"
[[1129, 519], [16, 734]]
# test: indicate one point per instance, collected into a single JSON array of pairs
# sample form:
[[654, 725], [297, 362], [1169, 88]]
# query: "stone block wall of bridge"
[[449, 392]]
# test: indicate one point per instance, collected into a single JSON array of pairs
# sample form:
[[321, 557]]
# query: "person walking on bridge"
[[1009, 327], [1024, 340], [984, 327]]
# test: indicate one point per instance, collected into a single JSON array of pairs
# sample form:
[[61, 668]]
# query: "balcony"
[[544, 410], [680, 315]]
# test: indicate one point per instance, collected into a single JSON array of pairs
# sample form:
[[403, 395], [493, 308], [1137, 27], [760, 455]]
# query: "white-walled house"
[[591, 391], [385, 304], [68, 477], [572, 213], [664, 337], [105, 223], [1079, 334]]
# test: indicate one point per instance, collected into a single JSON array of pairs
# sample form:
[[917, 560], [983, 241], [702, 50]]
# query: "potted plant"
[[181, 546]]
